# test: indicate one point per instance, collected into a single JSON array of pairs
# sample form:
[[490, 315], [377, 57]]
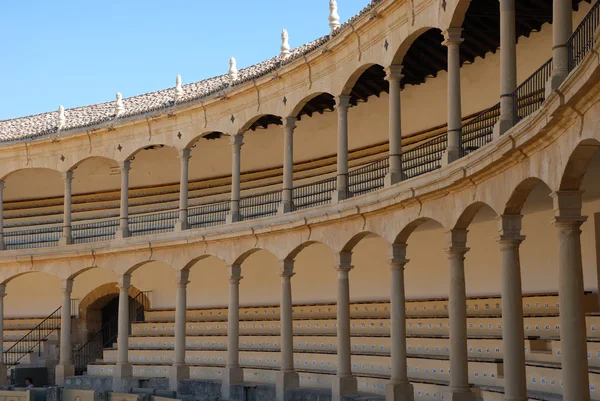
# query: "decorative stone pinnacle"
[[61, 118], [334, 17], [120, 107], [285, 45], [233, 71], [178, 88]]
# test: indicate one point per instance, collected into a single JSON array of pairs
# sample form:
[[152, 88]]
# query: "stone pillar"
[[233, 373], [123, 230], [286, 378], [2, 245], [513, 333], [123, 369], [459, 364], [65, 366], [562, 28], [394, 76], [66, 238], [287, 199], [344, 383], [182, 223], [179, 370], [452, 42], [342, 192], [236, 146], [508, 66], [3, 372], [399, 388], [568, 220]]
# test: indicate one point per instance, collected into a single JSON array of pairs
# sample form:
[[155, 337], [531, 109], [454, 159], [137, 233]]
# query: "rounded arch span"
[[260, 121], [105, 159], [355, 76], [29, 169], [351, 244], [149, 147], [404, 234], [301, 107], [8, 275], [294, 252], [467, 215], [459, 11], [578, 164], [100, 296], [205, 135], [240, 259], [405, 45], [521, 193], [136, 266]]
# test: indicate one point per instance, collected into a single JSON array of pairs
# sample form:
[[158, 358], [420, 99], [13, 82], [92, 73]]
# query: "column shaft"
[[562, 28], [233, 374], [184, 156], [123, 320], [287, 202], [342, 189], [236, 146], [286, 378], [123, 231], [65, 324], [180, 316], [508, 65], [394, 76], [452, 42], [3, 375], [66, 233]]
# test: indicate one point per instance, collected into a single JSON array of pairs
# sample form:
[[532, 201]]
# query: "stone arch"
[[43, 183], [355, 76], [405, 45], [519, 195], [467, 215], [459, 12], [85, 159], [349, 246], [100, 296], [405, 233], [578, 164], [304, 102], [258, 121], [294, 252], [208, 135], [151, 146]]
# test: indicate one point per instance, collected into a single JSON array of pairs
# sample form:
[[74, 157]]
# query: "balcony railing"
[[34, 238], [209, 215], [480, 130], [260, 205], [94, 232], [156, 223], [424, 158], [582, 40], [529, 96], [368, 178], [314, 194]]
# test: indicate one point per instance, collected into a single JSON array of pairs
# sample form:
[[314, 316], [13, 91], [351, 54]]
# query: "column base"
[[233, 218], [178, 372], [339, 195], [460, 395], [556, 79], [285, 207], [120, 233], [231, 377], [63, 371], [122, 378], [393, 177], [3, 375], [343, 385], [285, 381], [63, 241], [399, 392], [181, 225], [449, 156], [503, 125]]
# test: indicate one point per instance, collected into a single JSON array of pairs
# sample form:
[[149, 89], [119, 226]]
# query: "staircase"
[[92, 350]]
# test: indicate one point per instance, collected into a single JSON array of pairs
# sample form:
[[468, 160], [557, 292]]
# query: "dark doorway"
[[109, 315]]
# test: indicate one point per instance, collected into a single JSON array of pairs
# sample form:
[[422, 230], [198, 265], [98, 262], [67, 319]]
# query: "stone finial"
[[334, 17], [233, 71], [285, 45], [178, 88], [61, 117], [120, 107]]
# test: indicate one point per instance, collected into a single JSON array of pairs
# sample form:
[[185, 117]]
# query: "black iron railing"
[[479, 131], [213, 214], [582, 40], [260, 205], [34, 238], [31, 341], [424, 158], [368, 178], [93, 349], [155, 223], [529, 96], [94, 232], [314, 194]]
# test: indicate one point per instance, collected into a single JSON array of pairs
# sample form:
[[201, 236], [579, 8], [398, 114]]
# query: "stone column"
[[513, 333], [399, 388], [287, 378], [344, 383], [182, 223], [123, 230], [287, 201], [65, 366], [342, 192], [2, 245], [3, 372], [233, 373], [66, 237], [394, 76], [562, 28], [457, 300], [452, 42], [123, 369], [568, 220], [179, 370], [236, 146], [508, 66]]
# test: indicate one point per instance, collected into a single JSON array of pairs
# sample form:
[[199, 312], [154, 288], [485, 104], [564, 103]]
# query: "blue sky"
[[75, 52]]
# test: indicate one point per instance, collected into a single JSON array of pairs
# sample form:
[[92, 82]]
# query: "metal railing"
[[209, 215], [424, 158], [94, 232], [34, 238], [156, 223], [582, 40], [314, 194], [368, 178], [479, 131], [529, 96], [260, 205], [93, 349], [32, 341]]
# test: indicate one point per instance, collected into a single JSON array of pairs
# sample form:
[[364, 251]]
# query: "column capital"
[[183, 278], [125, 165], [342, 101], [290, 122], [567, 203], [398, 256], [343, 261], [1, 185], [235, 273], [236, 140], [2, 290], [509, 225], [67, 285], [67, 175], [452, 37], [184, 154], [457, 244], [124, 281], [286, 268], [394, 73]]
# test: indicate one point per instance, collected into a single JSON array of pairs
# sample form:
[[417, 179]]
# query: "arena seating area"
[[152, 341]]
